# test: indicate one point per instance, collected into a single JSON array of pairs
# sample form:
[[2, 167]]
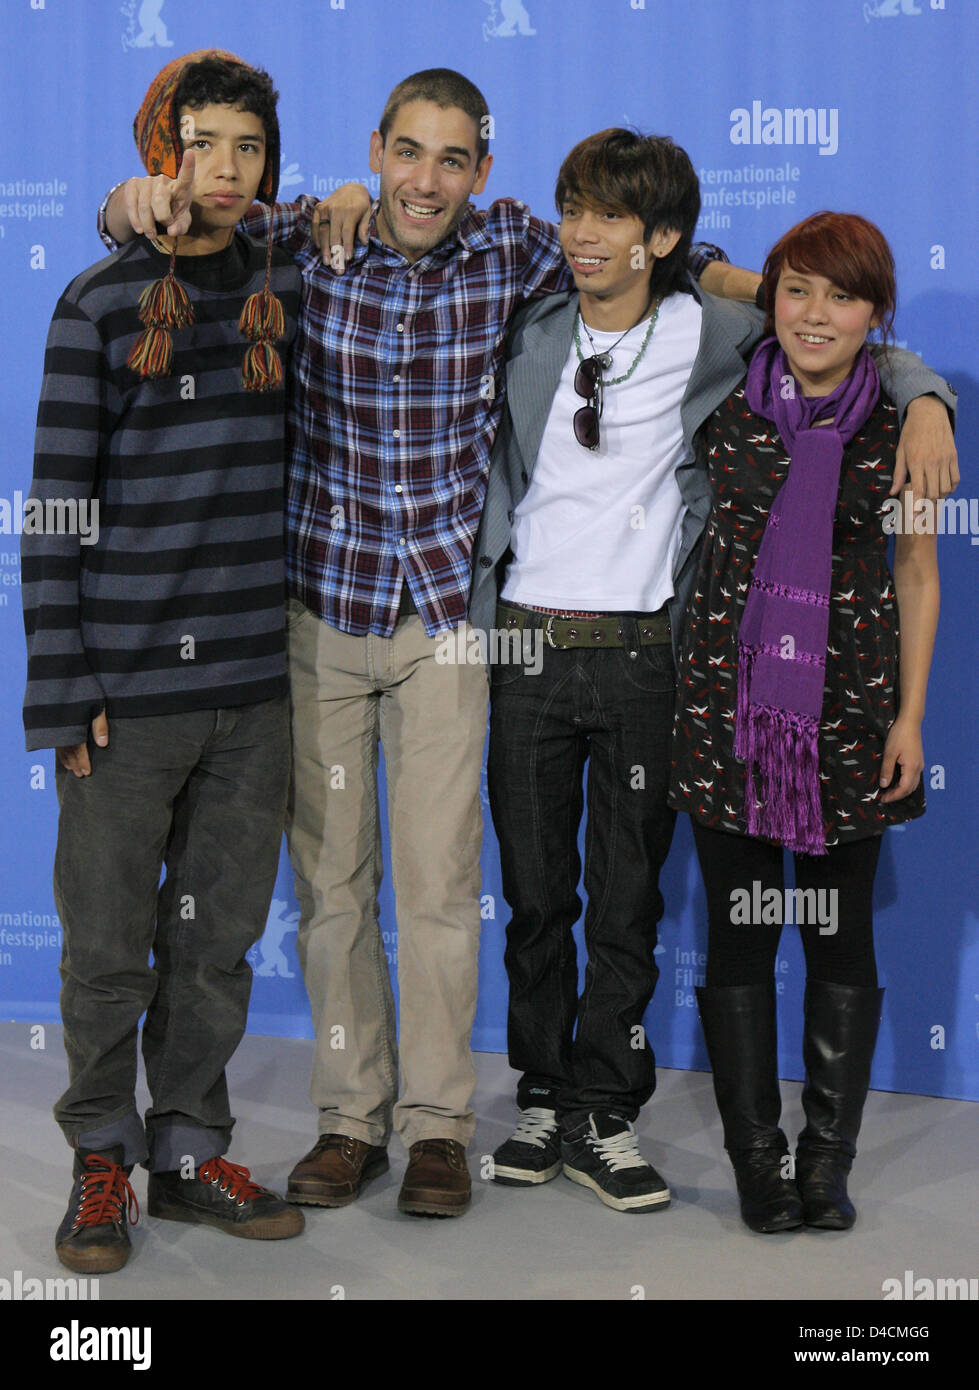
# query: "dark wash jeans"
[[615, 712], [203, 793]]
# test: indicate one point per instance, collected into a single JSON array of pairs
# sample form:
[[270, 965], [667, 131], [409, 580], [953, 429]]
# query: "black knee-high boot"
[[837, 1047], [739, 1028]]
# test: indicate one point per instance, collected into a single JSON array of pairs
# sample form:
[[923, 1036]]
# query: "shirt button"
[[401, 328], [402, 541], [397, 434], [398, 487], [396, 378]]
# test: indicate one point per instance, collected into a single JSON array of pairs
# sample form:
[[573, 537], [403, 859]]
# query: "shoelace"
[[106, 1194], [536, 1127], [620, 1151], [333, 1141], [449, 1149], [234, 1180]]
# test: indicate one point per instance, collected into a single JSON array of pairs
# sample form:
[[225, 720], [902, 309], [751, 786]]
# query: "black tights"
[[742, 941]]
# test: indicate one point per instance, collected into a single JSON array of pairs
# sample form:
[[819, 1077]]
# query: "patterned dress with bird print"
[[748, 464]]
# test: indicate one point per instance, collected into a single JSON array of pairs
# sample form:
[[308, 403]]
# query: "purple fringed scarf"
[[784, 630]]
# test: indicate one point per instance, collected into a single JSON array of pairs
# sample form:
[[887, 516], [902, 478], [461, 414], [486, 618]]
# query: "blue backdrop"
[[785, 108]]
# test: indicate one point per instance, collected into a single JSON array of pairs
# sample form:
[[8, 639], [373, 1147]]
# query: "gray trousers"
[[204, 794], [352, 696]]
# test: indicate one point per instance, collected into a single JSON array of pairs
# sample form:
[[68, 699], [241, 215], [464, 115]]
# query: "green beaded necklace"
[[604, 359]]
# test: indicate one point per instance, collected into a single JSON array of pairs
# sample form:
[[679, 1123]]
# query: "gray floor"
[[913, 1182]]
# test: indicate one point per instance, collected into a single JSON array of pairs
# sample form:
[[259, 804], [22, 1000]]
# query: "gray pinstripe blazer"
[[540, 339], [538, 346]]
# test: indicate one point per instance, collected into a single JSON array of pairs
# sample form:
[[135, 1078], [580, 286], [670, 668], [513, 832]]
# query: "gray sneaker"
[[603, 1153], [532, 1154]]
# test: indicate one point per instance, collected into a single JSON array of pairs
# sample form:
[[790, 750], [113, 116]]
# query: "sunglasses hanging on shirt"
[[589, 382]]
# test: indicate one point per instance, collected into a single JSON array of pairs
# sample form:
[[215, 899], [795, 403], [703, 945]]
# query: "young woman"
[[799, 711]]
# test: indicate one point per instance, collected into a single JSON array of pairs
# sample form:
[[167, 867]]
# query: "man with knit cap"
[[157, 665]]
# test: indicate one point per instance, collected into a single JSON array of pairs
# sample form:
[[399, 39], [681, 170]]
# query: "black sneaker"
[[93, 1238], [532, 1154], [603, 1153], [223, 1195]]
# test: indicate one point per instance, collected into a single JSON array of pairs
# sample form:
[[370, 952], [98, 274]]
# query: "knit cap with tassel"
[[165, 305]]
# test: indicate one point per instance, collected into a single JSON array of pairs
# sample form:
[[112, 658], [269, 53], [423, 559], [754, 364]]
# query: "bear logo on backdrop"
[[146, 28], [267, 958], [290, 175], [890, 9], [506, 19]]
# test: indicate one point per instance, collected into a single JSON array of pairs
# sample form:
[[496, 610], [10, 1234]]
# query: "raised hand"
[[156, 200]]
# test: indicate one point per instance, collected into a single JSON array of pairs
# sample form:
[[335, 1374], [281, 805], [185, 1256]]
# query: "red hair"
[[848, 250]]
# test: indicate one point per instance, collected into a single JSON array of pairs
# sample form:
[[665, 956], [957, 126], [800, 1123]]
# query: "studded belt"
[[563, 630]]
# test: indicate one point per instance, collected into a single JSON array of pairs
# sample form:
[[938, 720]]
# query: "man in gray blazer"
[[582, 572]]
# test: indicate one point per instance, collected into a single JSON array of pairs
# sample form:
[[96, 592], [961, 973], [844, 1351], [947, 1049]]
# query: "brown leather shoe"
[[437, 1182], [334, 1170]]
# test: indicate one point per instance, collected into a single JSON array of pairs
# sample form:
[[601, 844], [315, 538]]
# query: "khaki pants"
[[349, 693]]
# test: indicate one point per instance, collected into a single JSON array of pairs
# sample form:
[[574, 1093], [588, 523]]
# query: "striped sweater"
[[167, 596]]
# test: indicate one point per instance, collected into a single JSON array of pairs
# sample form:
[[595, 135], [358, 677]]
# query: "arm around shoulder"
[[926, 454], [905, 378]]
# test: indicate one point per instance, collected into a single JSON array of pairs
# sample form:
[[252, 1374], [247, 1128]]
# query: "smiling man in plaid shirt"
[[394, 407]]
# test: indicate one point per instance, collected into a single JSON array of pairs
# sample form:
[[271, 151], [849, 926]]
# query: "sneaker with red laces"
[[93, 1238], [223, 1195]]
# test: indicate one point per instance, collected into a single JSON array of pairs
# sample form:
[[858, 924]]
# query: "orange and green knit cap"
[[165, 305], [156, 128]]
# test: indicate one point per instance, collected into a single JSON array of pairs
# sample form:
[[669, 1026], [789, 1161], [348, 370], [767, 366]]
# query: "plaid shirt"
[[396, 397]]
